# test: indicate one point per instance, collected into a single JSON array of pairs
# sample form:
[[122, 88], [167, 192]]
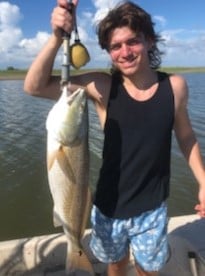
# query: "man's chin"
[[129, 71]]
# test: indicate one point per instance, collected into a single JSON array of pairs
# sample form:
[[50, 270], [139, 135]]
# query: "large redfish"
[[68, 172]]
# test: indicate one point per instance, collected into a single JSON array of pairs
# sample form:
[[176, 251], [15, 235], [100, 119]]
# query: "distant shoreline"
[[20, 74], [11, 77]]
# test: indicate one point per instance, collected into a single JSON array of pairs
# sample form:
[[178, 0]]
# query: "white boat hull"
[[45, 255]]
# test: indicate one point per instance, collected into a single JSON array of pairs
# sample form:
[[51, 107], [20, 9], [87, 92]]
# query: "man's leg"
[[118, 268], [149, 242], [109, 242], [141, 272]]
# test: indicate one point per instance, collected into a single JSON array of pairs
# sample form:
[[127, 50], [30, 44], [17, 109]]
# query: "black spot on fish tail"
[[78, 261]]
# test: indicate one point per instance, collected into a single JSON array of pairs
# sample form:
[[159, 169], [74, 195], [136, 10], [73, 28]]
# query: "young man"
[[138, 107]]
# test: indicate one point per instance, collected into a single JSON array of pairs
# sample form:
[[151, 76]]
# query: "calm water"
[[25, 201]]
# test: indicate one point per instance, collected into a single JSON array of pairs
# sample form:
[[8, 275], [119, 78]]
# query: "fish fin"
[[63, 161], [78, 260], [56, 219], [52, 152], [50, 159], [65, 165]]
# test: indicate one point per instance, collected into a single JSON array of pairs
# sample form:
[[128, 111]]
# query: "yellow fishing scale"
[[76, 54]]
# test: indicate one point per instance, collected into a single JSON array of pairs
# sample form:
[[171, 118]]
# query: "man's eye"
[[133, 41], [130, 42], [115, 47]]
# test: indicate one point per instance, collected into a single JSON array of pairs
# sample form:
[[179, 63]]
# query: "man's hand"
[[61, 17], [200, 208]]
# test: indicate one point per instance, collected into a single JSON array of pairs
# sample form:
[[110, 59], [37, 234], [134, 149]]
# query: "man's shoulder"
[[179, 87], [177, 80]]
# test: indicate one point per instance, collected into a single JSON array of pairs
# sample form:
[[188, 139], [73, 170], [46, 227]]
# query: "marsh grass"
[[16, 74]]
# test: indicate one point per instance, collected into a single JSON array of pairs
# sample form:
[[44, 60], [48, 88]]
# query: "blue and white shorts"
[[145, 234]]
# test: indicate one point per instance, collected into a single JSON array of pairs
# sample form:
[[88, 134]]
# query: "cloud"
[[15, 50], [19, 51], [10, 33], [182, 47], [102, 8], [9, 15], [30, 47], [160, 20]]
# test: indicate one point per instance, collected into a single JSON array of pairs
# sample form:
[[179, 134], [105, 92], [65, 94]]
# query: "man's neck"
[[142, 81]]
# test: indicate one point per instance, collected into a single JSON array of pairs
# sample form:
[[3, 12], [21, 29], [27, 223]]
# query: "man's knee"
[[118, 268], [141, 272]]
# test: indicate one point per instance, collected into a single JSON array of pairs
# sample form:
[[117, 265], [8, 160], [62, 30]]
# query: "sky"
[[25, 28]]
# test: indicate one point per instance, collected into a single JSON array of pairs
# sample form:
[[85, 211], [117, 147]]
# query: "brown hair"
[[138, 20]]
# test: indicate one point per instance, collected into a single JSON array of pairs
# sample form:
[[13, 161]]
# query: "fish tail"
[[78, 260]]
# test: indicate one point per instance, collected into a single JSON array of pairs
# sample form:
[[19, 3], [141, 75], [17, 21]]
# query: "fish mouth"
[[66, 120], [79, 94]]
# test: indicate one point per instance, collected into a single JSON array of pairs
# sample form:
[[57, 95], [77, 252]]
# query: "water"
[[25, 201]]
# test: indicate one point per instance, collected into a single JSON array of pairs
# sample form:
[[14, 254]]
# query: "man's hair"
[[138, 20]]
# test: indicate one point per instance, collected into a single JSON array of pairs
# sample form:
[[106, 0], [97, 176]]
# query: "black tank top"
[[135, 172]]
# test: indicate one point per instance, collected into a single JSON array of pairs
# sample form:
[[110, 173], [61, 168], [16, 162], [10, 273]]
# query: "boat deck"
[[45, 255]]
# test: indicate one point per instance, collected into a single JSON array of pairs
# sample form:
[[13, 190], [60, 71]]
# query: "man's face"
[[128, 51]]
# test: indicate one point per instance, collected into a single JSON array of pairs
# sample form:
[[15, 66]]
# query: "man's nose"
[[125, 49]]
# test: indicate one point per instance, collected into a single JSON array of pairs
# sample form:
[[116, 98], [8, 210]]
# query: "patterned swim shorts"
[[145, 234]]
